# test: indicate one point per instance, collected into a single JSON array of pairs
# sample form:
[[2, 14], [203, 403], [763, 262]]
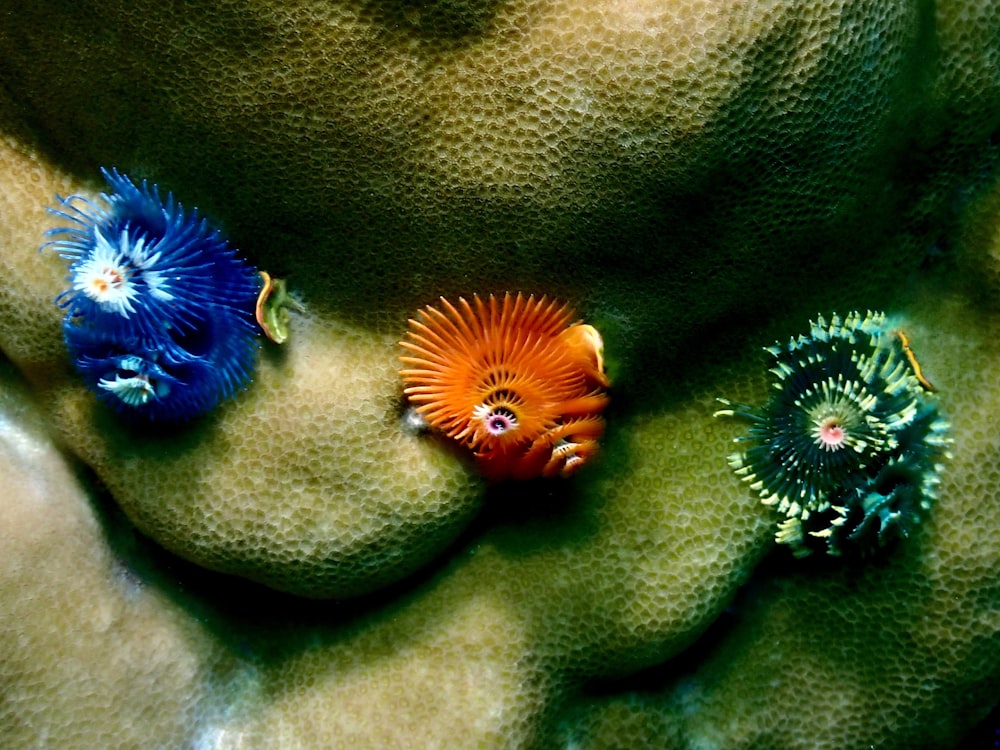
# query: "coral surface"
[[695, 178]]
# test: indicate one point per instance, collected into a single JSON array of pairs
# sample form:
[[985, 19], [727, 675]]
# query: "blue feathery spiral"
[[849, 447], [160, 310]]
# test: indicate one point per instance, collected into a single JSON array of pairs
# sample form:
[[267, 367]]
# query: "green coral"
[[695, 179]]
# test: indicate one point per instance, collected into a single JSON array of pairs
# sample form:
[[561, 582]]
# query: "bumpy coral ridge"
[[657, 164]]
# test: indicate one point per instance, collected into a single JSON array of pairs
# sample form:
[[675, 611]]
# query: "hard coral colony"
[[512, 380], [160, 310], [849, 447]]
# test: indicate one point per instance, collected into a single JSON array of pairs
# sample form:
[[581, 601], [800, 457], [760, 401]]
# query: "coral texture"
[[695, 178]]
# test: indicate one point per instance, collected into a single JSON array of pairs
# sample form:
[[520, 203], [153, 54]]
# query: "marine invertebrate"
[[512, 380], [850, 444], [159, 313], [271, 310], [574, 111]]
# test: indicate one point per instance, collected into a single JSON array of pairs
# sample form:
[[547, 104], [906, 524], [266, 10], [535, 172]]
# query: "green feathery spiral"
[[849, 447]]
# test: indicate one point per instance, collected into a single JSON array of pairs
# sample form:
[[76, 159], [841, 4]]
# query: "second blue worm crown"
[[160, 310]]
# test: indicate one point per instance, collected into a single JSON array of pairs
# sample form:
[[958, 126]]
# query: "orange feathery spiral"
[[513, 380]]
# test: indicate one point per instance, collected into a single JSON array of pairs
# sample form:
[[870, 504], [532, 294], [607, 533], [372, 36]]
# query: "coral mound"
[[695, 178]]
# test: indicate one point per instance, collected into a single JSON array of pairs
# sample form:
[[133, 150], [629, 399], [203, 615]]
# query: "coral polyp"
[[513, 380], [160, 309], [850, 445]]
